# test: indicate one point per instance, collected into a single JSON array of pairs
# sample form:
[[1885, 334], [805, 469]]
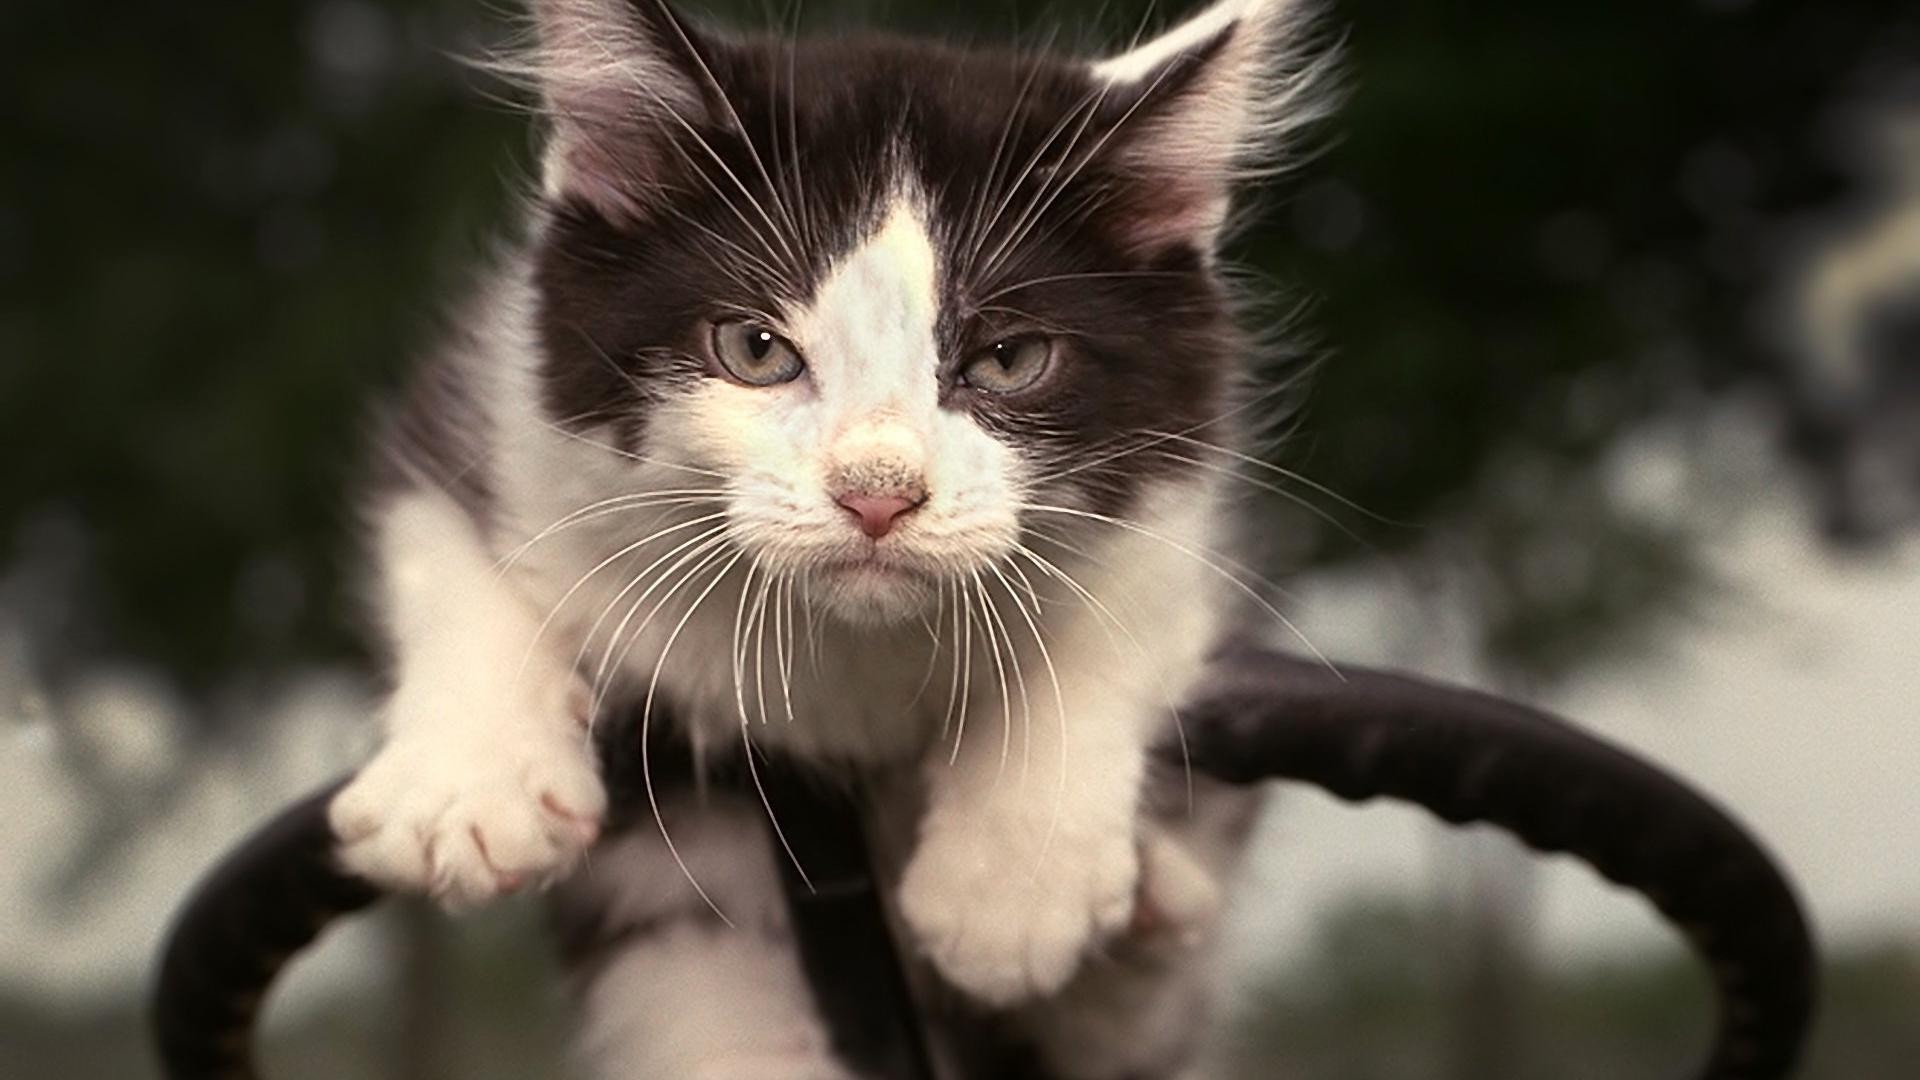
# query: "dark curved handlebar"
[[1464, 755], [265, 901], [1469, 757]]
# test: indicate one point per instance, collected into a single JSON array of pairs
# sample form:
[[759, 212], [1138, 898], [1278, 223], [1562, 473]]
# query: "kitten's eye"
[[1008, 366], [755, 355]]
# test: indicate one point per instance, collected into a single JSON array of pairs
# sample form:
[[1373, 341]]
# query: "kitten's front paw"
[[1006, 922], [465, 823]]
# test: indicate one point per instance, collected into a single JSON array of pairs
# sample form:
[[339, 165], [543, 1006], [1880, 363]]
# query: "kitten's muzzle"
[[879, 476]]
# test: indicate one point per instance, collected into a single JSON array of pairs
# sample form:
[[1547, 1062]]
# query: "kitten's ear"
[[619, 81], [1212, 101]]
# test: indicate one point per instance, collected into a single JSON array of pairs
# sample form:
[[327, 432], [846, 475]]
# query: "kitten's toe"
[[570, 795], [383, 826], [487, 845], [393, 857], [465, 829]]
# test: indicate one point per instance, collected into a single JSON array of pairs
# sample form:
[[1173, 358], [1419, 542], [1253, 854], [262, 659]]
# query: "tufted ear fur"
[[1220, 93], [620, 81]]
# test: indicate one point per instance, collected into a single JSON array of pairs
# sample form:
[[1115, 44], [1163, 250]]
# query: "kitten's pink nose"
[[877, 513]]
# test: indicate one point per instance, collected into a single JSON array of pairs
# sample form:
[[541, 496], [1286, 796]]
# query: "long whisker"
[[1053, 817], [975, 227], [646, 757], [783, 643], [1150, 439], [554, 613], [1090, 104], [1293, 497], [807, 234], [953, 678], [1284, 473], [1050, 192], [966, 679], [773, 819], [1053, 675], [737, 651], [1087, 275], [714, 155], [629, 455], [1251, 593], [611, 663], [1100, 608], [995, 634], [813, 627], [932, 627], [607, 507], [698, 542], [760, 647], [733, 115]]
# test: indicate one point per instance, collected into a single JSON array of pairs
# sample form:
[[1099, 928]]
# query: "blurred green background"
[[1617, 314]]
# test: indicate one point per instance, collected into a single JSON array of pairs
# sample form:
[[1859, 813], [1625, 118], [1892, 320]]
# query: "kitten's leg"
[[1142, 1006], [670, 992], [1026, 860], [488, 780]]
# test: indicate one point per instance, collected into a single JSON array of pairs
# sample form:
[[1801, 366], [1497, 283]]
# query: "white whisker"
[[760, 647], [990, 615], [966, 678], [1231, 578], [553, 613], [709, 552], [1100, 608], [605, 508], [646, 757], [1053, 675], [699, 542], [784, 644]]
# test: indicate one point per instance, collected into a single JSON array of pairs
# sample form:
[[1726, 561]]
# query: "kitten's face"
[[908, 307]]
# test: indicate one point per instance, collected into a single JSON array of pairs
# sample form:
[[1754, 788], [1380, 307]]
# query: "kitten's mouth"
[[872, 567], [873, 589]]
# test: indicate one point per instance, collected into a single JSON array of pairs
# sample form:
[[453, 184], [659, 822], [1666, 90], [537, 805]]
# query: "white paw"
[[467, 818], [1008, 922]]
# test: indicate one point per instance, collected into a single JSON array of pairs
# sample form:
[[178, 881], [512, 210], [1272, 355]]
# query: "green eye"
[[1009, 366], [755, 355]]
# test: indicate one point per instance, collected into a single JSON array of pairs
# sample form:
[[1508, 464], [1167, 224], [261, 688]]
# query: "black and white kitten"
[[861, 400]]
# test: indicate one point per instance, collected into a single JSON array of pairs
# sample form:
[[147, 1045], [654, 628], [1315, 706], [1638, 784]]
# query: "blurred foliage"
[[225, 228], [1374, 1001]]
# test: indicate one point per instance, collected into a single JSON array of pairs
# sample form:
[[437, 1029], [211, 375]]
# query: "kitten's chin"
[[869, 594]]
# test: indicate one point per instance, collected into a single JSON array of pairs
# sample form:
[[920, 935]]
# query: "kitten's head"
[[907, 305]]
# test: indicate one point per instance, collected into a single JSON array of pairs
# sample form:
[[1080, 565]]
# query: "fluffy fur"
[[597, 516]]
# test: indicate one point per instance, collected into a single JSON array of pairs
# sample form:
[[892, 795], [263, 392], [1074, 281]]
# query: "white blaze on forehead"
[[905, 249], [868, 332]]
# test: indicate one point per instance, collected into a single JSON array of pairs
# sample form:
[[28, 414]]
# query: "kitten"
[[859, 400]]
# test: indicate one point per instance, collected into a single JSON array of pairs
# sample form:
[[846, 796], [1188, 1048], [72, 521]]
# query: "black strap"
[[841, 929]]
